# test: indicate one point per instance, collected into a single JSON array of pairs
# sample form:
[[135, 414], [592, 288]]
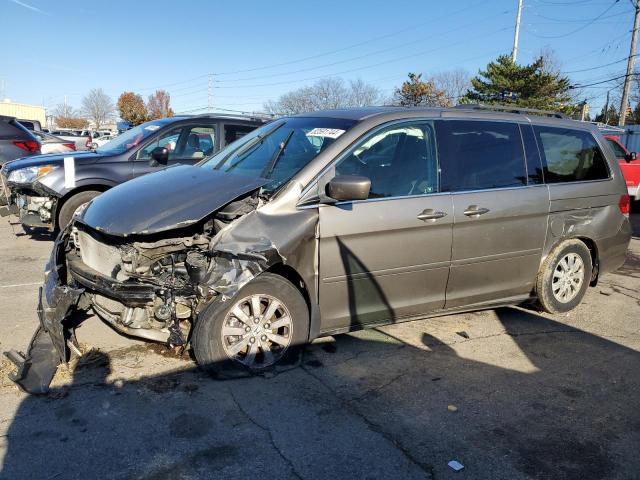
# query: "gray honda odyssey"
[[328, 222]]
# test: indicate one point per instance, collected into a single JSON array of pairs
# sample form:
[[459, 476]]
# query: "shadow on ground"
[[366, 405]]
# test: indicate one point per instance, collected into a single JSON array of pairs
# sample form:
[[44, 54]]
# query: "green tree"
[[416, 92], [531, 86], [611, 118]]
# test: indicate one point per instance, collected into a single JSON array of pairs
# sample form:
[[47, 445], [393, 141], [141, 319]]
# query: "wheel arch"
[[591, 245], [98, 187]]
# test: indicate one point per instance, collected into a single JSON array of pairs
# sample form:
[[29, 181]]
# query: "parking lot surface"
[[508, 393]]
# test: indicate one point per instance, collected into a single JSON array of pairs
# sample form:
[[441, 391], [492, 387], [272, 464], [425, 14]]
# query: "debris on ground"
[[463, 334], [452, 408], [455, 465]]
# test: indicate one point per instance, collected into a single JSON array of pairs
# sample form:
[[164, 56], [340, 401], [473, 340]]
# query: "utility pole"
[[210, 93], [606, 108], [632, 56], [516, 36]]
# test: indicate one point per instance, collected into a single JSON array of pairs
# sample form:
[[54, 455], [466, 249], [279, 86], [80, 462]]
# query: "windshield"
[[130, 138], [280, 149]]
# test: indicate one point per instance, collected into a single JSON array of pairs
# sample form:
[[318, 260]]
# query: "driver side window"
[[168, 140], [400, 161]]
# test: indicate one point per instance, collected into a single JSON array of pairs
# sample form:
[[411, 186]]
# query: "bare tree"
[[363, 94], [65, 116], [64, 110], [454, 83], [98, 107], [325, 94]]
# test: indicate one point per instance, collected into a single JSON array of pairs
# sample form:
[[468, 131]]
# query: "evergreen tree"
[[611, 117], [531, 86]]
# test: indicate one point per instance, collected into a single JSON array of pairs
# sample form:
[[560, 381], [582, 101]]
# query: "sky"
[[246, 53]]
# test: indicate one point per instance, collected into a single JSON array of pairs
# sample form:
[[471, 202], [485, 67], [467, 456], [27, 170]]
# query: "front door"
[[500, 211], [186, 145], [386, 258]]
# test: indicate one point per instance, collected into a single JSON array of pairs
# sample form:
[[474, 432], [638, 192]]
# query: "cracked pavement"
[[509, 393]]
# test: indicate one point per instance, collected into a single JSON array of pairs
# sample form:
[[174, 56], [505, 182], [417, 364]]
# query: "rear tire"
[[72, 204], [564, 277], [230, 345]]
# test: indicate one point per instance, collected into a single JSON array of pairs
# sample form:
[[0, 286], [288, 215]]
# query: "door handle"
[[475, 211], [430, 214]]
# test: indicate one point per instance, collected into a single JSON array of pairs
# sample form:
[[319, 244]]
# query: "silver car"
[[334, 221]]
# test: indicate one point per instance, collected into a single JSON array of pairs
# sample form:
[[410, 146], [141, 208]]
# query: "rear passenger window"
[[570, 155], [399, 160], [477, 155]]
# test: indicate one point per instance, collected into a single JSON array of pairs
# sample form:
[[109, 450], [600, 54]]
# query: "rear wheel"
[[564, 277], [265, 323], [72, 204]]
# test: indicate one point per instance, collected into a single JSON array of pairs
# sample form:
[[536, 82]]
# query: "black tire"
[[71, 205], [546, 283], [207, 338]]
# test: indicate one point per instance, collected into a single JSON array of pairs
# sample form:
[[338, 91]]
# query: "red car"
[[629, 165]]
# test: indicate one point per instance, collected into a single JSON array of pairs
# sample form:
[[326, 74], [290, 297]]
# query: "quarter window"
[[570, 155], [617, 149], [399, 160], [478, 155]]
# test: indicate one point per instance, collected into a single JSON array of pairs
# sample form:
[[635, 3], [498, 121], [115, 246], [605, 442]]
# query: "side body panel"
[[496, 255], [380, 263]]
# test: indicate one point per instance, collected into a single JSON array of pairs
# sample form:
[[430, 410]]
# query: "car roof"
[[390, 113]]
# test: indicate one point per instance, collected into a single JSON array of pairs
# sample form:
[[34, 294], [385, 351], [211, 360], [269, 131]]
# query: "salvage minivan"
[[333, 221]]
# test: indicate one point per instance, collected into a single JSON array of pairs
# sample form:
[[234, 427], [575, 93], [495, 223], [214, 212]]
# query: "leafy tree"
[[131, 108], [416, 92], [98, 107], [612, 116], [532, 86], [159, 105], [325, 94], [65, 116]]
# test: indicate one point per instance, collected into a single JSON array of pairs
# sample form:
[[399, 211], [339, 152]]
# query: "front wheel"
[[265, 323], [564, 277], [69, 208]]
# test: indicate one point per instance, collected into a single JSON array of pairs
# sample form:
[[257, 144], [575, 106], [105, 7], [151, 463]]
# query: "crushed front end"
[[148, 286]]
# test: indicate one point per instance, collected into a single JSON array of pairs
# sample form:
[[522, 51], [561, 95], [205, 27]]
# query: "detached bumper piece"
[[48, 346], [37, 368]]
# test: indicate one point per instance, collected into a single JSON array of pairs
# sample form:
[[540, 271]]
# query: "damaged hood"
[[171, 198]]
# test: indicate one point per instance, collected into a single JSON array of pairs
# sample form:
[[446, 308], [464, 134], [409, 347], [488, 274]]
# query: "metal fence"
[[629, 136]]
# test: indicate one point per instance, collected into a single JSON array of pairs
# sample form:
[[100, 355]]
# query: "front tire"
[[72, 204], [264, 324], [564, 277]]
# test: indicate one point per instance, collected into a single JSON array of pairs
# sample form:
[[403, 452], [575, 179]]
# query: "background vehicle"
[[33, 125], [629, 164], [52, 144], [15, 140], [82, 142], [100, 140], [334, 221], [45, 192]]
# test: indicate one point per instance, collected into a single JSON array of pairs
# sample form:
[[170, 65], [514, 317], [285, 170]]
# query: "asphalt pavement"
[[508, 393]]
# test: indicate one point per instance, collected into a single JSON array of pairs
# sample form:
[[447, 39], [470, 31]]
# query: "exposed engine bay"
[[155, 287]]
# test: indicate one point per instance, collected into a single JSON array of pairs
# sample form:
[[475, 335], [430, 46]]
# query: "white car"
[[52, 144], [101, 140]]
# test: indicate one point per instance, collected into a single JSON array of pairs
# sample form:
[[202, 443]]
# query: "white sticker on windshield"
[[69, 172], [325, 132], [152, 128]]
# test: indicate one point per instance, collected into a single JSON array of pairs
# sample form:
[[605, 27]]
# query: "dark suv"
[[15, 140], [46, 190], [333, 221]]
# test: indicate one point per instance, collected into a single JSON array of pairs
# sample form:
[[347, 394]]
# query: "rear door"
[[386, 258], [187, 144], [500, 210]]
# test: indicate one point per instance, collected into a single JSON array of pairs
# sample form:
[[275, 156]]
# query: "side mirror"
[[159, 156], [348, 187], [630, 157]]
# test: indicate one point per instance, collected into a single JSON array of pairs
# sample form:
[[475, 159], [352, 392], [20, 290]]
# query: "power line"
[[583, 26], [598, 67]]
